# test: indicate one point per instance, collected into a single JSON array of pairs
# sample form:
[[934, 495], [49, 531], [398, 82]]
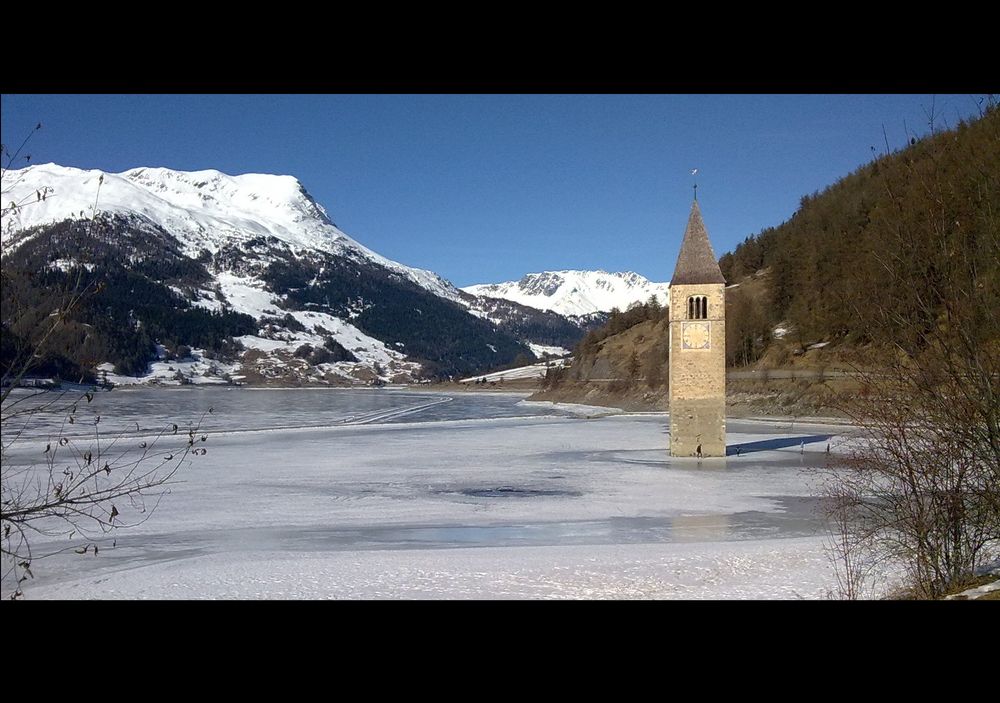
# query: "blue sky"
[[484, 188]]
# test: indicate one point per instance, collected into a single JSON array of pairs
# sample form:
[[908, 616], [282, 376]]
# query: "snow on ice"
[[538, 506]]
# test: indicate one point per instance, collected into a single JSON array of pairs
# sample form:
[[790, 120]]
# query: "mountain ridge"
[[575, 293], [228, 265], [146, 191]]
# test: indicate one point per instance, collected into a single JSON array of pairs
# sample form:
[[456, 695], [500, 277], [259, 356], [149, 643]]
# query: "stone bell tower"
[[697, 347]]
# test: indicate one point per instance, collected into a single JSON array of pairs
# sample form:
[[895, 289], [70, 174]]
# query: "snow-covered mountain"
[[543, 330], [575, 293], [204, 210], [247, 268]]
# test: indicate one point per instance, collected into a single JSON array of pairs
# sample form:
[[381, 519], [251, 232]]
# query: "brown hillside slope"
[[629, 370]]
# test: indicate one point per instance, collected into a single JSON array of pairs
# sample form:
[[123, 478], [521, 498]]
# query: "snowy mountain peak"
[[204, 210], [252, 192], [575, 292]]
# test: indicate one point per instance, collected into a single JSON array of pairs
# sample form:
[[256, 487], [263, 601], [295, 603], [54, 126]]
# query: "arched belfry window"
[[698, 307]]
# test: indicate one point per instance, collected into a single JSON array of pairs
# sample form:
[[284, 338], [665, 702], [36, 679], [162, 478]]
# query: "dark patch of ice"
[[512, 492]]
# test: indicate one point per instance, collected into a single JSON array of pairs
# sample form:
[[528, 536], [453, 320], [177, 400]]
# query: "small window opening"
[[697, 307]]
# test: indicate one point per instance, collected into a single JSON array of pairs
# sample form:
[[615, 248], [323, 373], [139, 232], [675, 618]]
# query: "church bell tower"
[[697, 347]]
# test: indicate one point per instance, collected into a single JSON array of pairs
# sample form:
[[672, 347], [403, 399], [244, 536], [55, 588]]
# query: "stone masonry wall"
[[698, 377]]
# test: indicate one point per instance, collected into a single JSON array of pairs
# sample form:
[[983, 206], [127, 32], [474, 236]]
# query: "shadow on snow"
[[775, 443]]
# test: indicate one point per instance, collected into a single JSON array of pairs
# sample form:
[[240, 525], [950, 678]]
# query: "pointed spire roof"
[[696, 262]]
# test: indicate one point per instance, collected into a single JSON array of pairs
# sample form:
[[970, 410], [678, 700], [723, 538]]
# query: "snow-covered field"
[[518, 374], [536, 506], [540, 350]]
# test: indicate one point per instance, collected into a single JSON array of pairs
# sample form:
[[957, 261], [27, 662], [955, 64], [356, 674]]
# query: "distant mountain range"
[[575, 293]]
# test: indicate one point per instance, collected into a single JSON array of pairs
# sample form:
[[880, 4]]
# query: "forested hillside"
[[921, 221], [126, 300]]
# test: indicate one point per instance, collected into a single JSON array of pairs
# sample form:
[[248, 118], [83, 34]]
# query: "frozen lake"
[[402, 494], [241, 409]]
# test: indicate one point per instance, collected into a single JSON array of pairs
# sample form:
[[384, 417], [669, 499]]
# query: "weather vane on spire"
[[694, 172]]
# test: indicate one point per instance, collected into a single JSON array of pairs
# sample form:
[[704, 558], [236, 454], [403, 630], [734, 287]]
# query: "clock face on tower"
[[696, 335]]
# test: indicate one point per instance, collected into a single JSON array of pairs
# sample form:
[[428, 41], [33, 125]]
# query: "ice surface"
[[348, 494]]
